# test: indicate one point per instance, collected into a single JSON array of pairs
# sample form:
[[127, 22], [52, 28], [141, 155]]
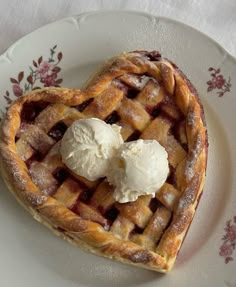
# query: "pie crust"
[[150, 98]]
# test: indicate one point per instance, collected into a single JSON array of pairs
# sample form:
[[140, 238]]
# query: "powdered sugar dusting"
[[189, 170], [190, 163], [43, 178], [135, 81], [141, 256], [159, 222], [169, 198], [141, 82], [36, 199], [18, 176], [191, 118], [181, 222], [134, 112], [106, 226], [134, 115], [30, 196], [189, 195], [23, 128]]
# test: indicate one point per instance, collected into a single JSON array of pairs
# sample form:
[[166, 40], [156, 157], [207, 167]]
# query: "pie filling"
[[158, 104], [144, 109]]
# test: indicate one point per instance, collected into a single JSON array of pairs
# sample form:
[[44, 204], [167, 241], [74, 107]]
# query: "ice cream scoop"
[[139, 168], [89, 145]]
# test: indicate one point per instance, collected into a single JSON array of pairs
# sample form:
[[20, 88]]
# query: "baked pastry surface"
[[150, 98]]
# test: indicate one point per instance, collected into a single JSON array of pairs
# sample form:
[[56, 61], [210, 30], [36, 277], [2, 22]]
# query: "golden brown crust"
[[190, 172]]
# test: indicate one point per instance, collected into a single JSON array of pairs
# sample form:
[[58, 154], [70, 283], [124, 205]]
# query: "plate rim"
[[79, 16]]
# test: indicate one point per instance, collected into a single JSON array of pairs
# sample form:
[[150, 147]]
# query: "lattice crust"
[[150, 98]]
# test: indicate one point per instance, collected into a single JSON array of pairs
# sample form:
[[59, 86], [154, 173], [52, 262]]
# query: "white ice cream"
[[139, 168], [88, 147]]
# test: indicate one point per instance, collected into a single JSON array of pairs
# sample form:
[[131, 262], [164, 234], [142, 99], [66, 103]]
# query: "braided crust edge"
[[88, 235]]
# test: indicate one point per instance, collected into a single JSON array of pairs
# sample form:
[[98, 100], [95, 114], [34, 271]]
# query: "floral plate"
[[70, 50]]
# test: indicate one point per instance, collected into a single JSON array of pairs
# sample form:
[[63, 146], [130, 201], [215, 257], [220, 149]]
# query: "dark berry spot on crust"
[[37, 156], [112, 118], [83, 106], [60, 174], [28, 113], [154, 56], [134, 136], [31, 110], [171, 177], [58, 131], [112, 214], [137, 229], [85, 195], [61, 229], [132, 93], [154, 203], [156, 112]]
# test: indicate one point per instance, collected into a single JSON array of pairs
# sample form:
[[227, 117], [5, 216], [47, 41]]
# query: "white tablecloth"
[[216, 18]]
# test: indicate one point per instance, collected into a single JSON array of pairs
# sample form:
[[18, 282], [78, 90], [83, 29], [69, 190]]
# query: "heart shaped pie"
[[149, 98]]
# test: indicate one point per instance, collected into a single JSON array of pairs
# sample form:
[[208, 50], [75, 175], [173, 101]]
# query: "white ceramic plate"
[[69, 50]]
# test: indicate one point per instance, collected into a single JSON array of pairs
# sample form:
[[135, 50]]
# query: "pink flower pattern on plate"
[[229, 241], [44, 68], [42, 71], [17, 91], [218, 82]]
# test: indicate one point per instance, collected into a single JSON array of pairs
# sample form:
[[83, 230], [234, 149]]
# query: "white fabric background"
[[216, 18]]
